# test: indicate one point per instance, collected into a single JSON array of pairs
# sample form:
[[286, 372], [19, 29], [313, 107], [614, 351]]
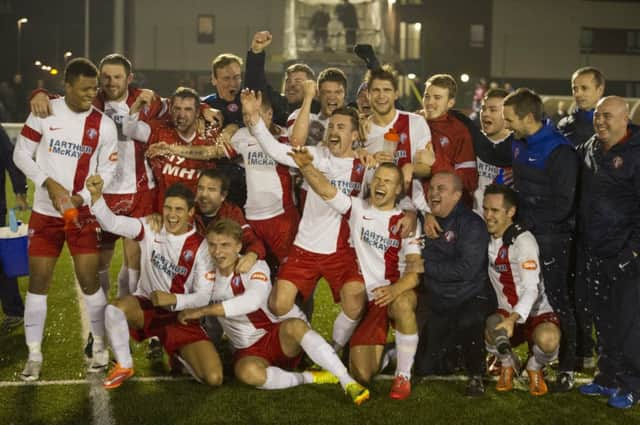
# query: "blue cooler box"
[[13, 251]]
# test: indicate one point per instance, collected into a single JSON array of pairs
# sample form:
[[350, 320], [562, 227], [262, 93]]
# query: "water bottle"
[[13, 222], [390, 144], [70, 213]]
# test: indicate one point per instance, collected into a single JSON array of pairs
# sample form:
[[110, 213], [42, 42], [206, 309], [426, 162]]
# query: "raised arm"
[[299, 130], [128, 227]]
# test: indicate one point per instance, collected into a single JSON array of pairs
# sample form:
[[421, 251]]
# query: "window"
[[206, 25], [610, 41], [476, 35], [410, 34]]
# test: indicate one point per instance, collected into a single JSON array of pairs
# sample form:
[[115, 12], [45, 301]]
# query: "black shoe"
[[475, 387], [10, 323], [88, 349], [367, 54], [564, 382], [155, 350]]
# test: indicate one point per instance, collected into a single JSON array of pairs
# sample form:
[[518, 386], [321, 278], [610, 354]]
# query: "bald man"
[[453, 293], [610, 212]]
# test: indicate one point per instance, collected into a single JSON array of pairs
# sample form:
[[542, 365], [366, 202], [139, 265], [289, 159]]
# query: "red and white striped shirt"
[[67, 147]]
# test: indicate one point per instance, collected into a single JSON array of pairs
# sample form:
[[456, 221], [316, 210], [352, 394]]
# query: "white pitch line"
[[453, 378], [101, 412], [4, 384]]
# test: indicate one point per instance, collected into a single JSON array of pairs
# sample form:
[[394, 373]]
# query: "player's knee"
[[213, 378], [548, 340], [279, 306], [295, 328], [402, 307], [250, 373], [490, 327]]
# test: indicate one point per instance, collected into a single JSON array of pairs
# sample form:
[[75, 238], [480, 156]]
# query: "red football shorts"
[[523, 332], [164, 324], [47, 235], [373, 328], [278, 233], [304, 269], [268, 347]]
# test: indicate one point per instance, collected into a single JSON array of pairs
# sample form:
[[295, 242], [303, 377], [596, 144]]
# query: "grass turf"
[[185, 402]]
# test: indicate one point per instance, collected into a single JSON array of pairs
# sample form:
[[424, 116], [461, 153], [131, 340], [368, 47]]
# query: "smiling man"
[[454, 283], [545, 170], [58, 153], [307, 128], [177, 273], [321, 247], [609, 207], [390, 266]]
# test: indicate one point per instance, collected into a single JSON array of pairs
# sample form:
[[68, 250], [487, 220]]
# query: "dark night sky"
[[54, 27]]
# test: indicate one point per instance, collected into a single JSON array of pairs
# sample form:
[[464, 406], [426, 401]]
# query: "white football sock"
[[278, 379], [95, 304], [103, 279], [123, 282], [118, 331], [540, 359], [343, 328], [407, 346], [323, 355], [35, 313]]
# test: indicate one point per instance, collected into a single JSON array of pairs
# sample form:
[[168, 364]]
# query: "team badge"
[[403, 137], [188, 255], [236, 282], [444, 141], [503, 253], [516, 152], [359, 168], [617, 162], [92, 133], [449, 236], [530, 265], [232, 107]]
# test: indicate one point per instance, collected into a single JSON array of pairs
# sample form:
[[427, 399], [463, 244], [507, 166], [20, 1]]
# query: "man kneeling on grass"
[[524, 313], [176, 273], [264, 344]]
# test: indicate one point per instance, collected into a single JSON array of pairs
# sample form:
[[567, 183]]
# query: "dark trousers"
[[12, 304], [614, 287], [444, 330], [555, 251], [584, 312]]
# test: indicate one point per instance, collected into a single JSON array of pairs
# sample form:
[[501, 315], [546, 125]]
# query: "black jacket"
[[455, 264], [577, 127], [256, 79], [610, 198]]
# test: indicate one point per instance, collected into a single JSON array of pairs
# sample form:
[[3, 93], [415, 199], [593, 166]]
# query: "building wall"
[[164, 33], [525, 34]]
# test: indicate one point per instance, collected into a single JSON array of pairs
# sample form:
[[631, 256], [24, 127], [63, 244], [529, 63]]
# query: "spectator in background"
[[319, 23], [12, 304], [347, 14], [561, 112]]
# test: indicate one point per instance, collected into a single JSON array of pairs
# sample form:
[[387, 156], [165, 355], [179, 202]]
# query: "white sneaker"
[[31, 371], [99, 361]]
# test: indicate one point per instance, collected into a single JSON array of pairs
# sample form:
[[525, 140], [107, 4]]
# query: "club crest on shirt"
[[188, 255], [516, 152], [403, 137], [617, 162], [450, 236], [92, 133], [444, 141], [232, 107], [236, 281], [503, 253], [359, 168]]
